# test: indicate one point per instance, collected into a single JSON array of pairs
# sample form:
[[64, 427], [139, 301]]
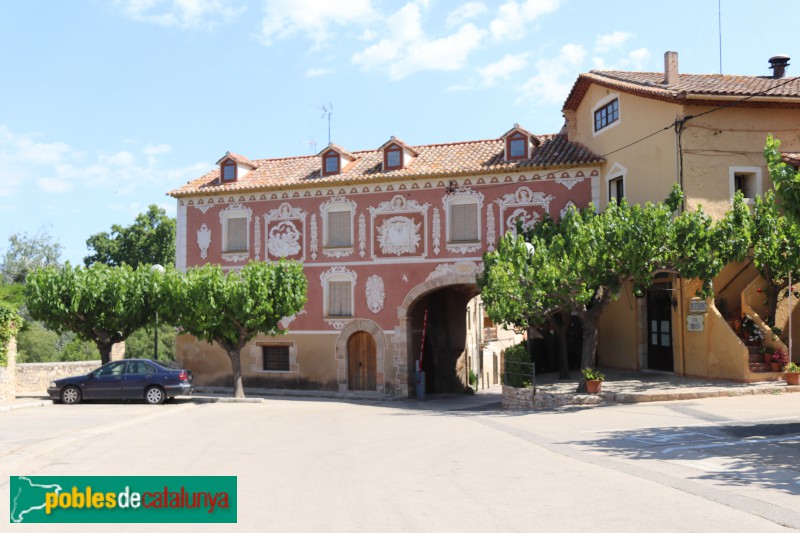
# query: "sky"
[[106, 105]]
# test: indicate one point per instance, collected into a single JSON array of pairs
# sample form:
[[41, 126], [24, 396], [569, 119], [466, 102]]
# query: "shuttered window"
[[236, 234], [340, 298], [339, 229], [276, 358], [463, 222]]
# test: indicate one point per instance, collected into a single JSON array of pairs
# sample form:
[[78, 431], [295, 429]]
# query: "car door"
[[135, 380], [106, 382]]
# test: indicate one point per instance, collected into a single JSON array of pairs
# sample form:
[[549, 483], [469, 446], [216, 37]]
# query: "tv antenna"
[[312, 144], [327, 112], [719, 17]]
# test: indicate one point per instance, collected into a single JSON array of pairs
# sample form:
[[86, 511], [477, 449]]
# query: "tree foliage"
[[26, 252], [140, 343], [150, 240], [580, 263], [231, 309], [99, 303], [10, 322], [785, 178]]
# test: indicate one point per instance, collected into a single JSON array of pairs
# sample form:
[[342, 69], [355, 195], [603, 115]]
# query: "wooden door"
[[659, 329], [361, 361]]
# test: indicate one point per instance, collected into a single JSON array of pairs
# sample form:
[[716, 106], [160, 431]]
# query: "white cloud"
[[617, 39], [57, 168], [54, 185], [639, 58], [503, 69], [317, 72], [465, 12], [313, 18], [156, 149], [406, 49], [555, 76], [514, 19], [185, 14]]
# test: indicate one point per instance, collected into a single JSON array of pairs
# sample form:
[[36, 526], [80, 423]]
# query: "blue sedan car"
[[131, 379]]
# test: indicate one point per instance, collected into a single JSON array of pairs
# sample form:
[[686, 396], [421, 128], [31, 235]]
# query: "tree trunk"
[[560, 323], [236, 364], [772, 303], [105, 351]]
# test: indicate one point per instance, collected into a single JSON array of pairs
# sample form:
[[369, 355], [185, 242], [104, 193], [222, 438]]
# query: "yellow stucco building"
[[707, 133]]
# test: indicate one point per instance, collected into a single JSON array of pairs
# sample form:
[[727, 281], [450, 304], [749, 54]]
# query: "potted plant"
[[594, 380], [792, 374], [766, 352], [751, 333], [778, 360]]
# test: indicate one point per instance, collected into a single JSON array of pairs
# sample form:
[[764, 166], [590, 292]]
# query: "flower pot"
[[775, 367], [792, 378], [593, 386], [768, 358]]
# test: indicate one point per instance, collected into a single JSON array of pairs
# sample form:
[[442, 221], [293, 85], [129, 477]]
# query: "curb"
[[24, 405]]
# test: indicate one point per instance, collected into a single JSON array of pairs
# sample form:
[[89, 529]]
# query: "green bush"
[[518, 368]]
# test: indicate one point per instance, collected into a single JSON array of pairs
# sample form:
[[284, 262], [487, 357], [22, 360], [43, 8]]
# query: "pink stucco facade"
[[401, 251]]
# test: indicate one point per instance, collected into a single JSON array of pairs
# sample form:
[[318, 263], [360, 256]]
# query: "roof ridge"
[[416, 147]]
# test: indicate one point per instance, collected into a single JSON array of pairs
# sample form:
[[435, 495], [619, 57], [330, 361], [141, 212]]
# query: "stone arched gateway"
[[403, 339], [370, 327]]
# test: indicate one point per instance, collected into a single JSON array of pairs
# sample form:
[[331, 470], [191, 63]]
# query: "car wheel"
[[154, 395], [71, 395]]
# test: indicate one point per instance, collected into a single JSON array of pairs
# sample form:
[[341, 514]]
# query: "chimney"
[[670, 68], [778, 65]]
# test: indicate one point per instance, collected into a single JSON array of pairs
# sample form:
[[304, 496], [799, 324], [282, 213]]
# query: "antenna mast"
[[328, 112], [719, 19]]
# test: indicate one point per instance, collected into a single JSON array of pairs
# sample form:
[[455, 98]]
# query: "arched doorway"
[[361, 361], [441, 313]]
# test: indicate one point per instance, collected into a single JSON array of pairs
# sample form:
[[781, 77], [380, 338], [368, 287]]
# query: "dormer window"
[[229, 170], [397, 155], [393, 158], [518, 143], [234, 167], [331, 163], [518, 146]]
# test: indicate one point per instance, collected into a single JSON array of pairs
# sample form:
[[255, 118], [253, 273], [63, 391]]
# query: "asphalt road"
[[726, 464]]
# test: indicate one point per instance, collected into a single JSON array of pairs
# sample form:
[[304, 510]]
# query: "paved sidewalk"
[[635, 387], [619, 387]]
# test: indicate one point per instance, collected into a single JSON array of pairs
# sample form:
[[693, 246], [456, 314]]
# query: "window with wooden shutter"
[[339, 229], [340, 298], [463, 224], [236, 234]]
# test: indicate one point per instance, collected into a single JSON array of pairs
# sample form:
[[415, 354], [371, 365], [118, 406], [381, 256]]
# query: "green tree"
[[232, 309], [150, 240], [99, 303], [140, 343], [37, 344], [26, 252], [775, 248], [785, 178]]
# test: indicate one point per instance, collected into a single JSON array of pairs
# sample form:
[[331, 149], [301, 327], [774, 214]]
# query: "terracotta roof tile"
[[452, 159], [242, 160], [792, 159], [714, 86]]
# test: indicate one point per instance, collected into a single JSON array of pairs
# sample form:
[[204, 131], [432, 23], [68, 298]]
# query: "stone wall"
[[8, 374], [532, 399], [35, 377]]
